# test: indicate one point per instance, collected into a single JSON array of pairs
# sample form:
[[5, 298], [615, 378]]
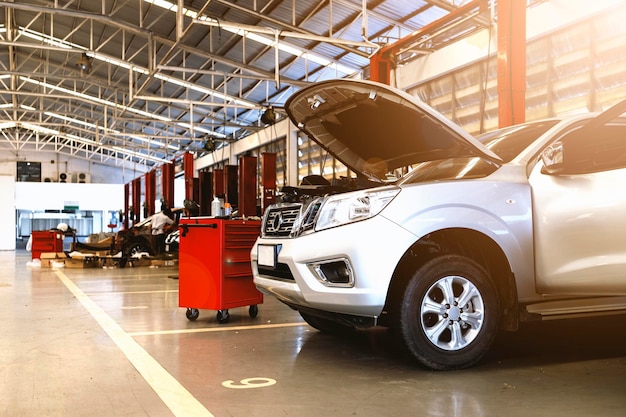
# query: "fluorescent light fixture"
[[53, 132], [76, 121], [93, 126], [164, 4], [109, 60], [298, 52], [140, 155], [125, 108], [29, 33], [204, 90], [111, 131], [95, 99], [40, 129], [201, 129]]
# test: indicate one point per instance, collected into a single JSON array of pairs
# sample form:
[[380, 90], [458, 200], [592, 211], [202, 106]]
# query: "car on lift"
[[477, 234], [139, 239]]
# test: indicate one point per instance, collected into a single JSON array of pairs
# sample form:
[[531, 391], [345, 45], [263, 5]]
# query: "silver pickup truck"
[[444, 237]]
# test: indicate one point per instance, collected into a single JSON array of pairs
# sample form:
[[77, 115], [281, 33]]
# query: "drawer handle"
[[186, 227]]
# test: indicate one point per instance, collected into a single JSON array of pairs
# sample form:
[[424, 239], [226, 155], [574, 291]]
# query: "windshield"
[[507, 143]]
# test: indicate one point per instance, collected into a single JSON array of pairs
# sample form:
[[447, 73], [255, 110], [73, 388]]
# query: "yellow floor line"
[[174, 395], [217, 329], [129, 292]]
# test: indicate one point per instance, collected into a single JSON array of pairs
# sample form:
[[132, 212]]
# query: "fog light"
[[334, 273]]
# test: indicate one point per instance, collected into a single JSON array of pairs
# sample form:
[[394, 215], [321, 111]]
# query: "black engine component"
[[313, 186]]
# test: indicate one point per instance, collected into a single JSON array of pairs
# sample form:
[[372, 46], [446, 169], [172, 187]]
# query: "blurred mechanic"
[[161, 226]]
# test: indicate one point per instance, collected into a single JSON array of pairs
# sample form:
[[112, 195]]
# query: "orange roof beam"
[[382, 62]]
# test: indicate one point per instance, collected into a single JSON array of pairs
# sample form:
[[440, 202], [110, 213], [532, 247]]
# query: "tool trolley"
[[214, 268]]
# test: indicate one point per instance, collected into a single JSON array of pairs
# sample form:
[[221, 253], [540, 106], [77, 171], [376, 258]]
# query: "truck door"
[[579, 208]]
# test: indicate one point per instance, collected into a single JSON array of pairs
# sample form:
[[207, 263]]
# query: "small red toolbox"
[[214, 267], [46, 241]]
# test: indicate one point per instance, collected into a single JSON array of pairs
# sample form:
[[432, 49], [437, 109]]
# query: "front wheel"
[[223, 316], [136, 249], [192, 314], [449, 313], [253, 310]]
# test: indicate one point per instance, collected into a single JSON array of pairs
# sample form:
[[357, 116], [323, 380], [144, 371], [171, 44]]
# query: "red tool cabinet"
[[214, 268], [46, 241]]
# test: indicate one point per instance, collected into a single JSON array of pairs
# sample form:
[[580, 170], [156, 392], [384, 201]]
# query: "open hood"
[[373, 128]]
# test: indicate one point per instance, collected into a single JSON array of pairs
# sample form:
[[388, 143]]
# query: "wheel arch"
[[465, 242]]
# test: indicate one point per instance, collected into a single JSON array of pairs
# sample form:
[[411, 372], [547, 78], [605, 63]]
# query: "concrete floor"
[[113, 342]]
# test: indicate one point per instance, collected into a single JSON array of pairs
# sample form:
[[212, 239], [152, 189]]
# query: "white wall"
[[179, 193], [52, 164], [53, 196], [7, 213]]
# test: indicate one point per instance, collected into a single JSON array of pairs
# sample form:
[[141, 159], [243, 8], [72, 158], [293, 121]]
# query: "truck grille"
[[279, 219]]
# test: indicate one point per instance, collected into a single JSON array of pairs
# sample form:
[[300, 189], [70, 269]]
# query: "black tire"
[[192, 314], [253, 310], [436, 330], [137, 248], [326, 325], [223, 316]]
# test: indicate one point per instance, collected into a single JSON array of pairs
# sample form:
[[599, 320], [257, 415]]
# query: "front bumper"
[[372, 248]]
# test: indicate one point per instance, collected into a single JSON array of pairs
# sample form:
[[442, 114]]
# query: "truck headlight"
[[342, 209]]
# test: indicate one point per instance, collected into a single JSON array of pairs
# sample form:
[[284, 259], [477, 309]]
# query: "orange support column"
[[205, 192], [511, 62], [381, 62], [167, 182], [268, 180], [247, 186], [151, 191], [188, 172], [219, 190], [231, 187], [126, 205], [136, 200], [380, 68]]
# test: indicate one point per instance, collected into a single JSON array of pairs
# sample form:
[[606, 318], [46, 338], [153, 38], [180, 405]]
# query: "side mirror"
[[552, 158]]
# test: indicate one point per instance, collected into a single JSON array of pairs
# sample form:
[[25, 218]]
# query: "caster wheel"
[[223, 316], [253, 311], [192, 314]]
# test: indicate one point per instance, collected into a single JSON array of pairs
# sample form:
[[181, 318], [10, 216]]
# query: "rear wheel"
[[449, 313]]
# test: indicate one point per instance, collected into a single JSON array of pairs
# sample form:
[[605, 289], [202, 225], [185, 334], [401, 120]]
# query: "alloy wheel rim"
[[452, 313]]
